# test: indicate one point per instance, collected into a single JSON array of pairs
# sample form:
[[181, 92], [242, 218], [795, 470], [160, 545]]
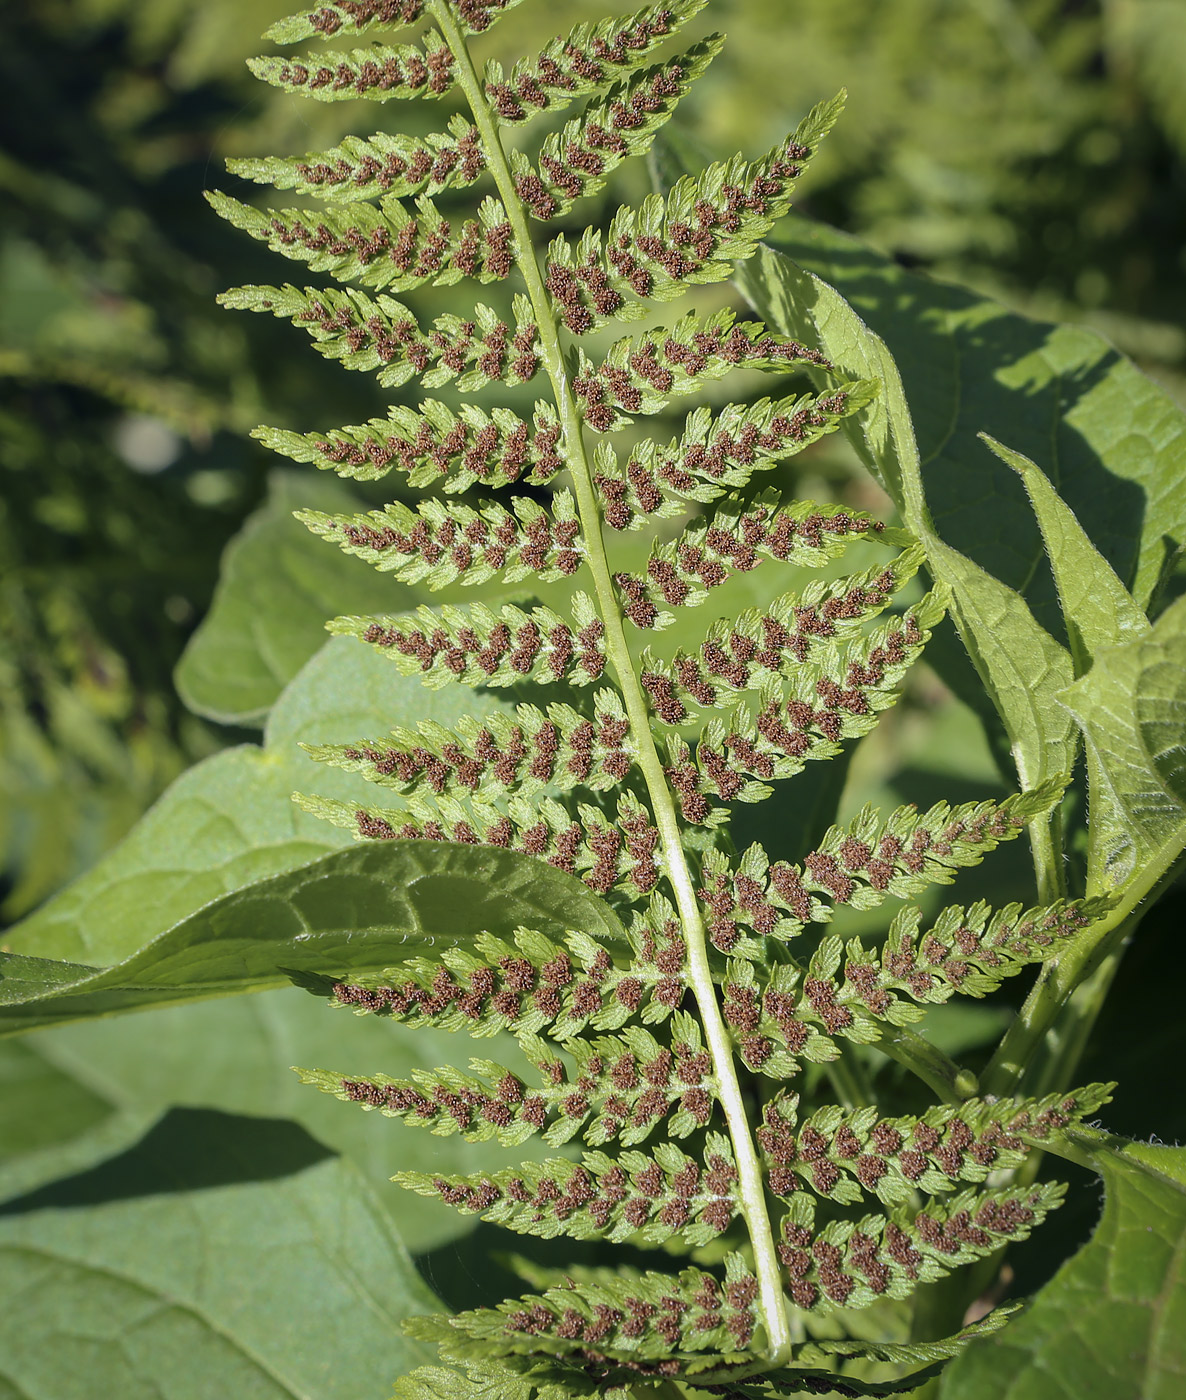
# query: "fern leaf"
[[642, 374], [476, 646], [639, 1321], [529, 985], [390, 164], [366, 334], [579, 158], [557, 749], [607, 855], [583, 61], [719, 451], [385, 247], [655, 253], [357, 16], [380, 73], [648, 1199], [852, 1264], [435, 444], [440, 543], [621, 1088], [737, 539], [846, 1156]]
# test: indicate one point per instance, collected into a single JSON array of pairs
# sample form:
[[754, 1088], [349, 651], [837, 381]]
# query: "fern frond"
[[356, 16], [616, 855], [558, 749], [719, 451], [578, 159], [641, 374], [852, 1264], [684, 1031], [648, 1199], [528, 986], [435, 444], [827, 702], [390, 164], [583, 61], [638, 1321], [380, 73], [620, 1087], [737, 539], [476, 646], [441, 542], [385, 247], [656, 252], [845, 1155], [365, 334]]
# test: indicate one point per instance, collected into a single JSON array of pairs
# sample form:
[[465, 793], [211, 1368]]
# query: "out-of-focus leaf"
[[220, 1256], [277, 585], [230, 820], [1131, 707], [1111, 1324], [356, 910]]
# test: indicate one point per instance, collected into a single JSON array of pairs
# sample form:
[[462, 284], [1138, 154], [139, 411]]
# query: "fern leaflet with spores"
[[669, 1055]]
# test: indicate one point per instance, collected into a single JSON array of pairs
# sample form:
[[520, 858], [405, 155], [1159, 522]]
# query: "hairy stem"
[[750, 1186]]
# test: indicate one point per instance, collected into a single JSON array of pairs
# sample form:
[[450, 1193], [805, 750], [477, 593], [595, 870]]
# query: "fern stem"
[[750, 1186]]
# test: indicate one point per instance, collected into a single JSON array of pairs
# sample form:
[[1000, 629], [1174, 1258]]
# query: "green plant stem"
[[750, 1187], [937, 1070]]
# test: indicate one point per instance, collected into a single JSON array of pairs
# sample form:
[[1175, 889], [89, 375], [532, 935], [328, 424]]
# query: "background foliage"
[[1034, 151]]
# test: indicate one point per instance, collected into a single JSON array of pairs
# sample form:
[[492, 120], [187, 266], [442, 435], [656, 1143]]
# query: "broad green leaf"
[[277, 585], [1097, 608], [230, 820], [76, 1094], [220, 1256], [356, 910], [1111, 440], [1021, 665], [1131, 707], [1111, 1324]]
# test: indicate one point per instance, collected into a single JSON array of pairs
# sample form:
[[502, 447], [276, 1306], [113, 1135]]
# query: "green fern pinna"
[[673, 1054]]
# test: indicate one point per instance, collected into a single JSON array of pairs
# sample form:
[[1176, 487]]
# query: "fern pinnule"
[[665, 1058]]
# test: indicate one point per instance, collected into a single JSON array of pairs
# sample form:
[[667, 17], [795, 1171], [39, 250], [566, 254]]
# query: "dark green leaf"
[[1111, 1324], [356, 910], [220, 1256]]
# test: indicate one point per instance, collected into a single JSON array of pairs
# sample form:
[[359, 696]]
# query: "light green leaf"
[[231, 820], [356, 910], [1131, 707], [75, 1094], [219, 1257], [1021, 665], [1111, 1324], [1097, 608], [277, 585]]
